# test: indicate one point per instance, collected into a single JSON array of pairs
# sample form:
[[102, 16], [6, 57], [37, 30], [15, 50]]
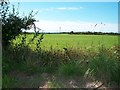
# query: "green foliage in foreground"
[[12, 23], [60, 41], [102, 65]]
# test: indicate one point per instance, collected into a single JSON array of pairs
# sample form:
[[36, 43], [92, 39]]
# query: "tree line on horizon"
[[95, 33], [86, 33]]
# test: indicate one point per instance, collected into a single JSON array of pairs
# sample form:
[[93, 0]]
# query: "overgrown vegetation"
[[102, 65]]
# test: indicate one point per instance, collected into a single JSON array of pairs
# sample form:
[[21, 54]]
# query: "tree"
[[71, 32], [12, 23]]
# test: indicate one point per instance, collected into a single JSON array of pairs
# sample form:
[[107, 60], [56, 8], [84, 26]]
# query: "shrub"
[[12, 23]]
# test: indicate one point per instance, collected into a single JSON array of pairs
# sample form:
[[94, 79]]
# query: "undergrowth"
[[103, 65]]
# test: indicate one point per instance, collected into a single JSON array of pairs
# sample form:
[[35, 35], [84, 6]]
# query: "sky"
[[64, 0], [73, 16]]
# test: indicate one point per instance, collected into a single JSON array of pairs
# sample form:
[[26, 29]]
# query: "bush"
[[12, 23]]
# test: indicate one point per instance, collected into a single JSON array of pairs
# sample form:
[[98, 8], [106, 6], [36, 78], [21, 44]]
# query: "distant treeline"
[[85, 33], [95, 33]]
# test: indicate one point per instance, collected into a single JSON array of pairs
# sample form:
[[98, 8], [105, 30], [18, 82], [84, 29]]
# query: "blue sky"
[[76, 16]]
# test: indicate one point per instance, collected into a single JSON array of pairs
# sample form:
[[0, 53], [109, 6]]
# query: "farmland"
[[60, 41]]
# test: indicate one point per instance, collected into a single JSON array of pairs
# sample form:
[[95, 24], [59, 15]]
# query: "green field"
[[60, 41]]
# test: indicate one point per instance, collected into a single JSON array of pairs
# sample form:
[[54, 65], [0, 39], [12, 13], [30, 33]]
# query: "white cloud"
[[59, 8], [67, 26], [69, 8]]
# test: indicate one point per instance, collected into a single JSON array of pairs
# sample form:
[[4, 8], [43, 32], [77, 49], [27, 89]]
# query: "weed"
[[7, 81], [71, 69]]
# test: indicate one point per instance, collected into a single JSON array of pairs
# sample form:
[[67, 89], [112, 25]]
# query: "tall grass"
[[7, 81], [102, 65], [105, 66]]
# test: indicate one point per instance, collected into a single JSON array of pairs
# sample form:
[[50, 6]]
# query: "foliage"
[[12, 23], [71, 69], [92, 33], [72, 32], [102, 65], [7, 81]]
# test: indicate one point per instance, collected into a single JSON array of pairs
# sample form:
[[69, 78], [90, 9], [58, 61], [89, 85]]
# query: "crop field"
[[60, 41]]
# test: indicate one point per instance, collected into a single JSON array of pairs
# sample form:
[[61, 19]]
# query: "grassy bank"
[[20, 65]]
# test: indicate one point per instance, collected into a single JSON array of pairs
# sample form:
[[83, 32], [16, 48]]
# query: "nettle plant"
[[13, 25]]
